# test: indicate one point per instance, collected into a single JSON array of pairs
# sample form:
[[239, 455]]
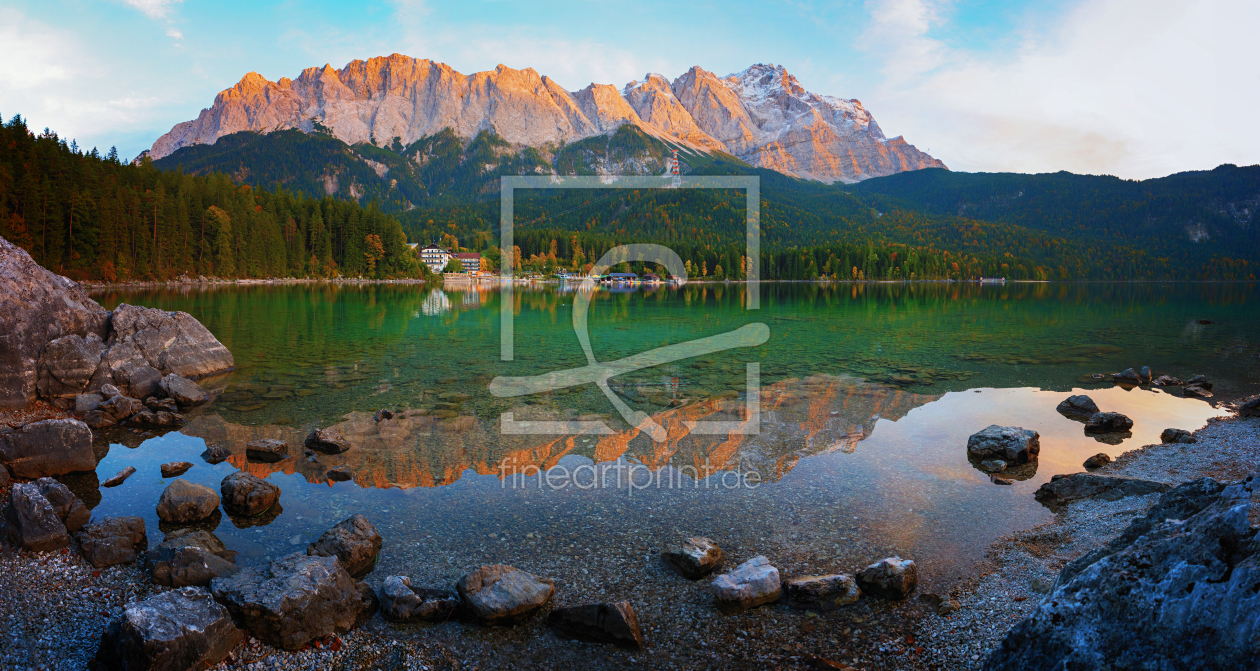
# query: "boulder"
[[85, 403], [157, 420], [113, 410], [1166, 381], [1127, 376], [1176, 590], [68, 508], [891, 578], [613, 623], [695, 558], [269, 450], [1200, 381], [340, 474], [247, 494], [1250, 407], [383, 414], [183, 502], [821, 592], [354, 542], [112, 541], [171, 342], [328, 441], [295, 599], [500, 594], [36, 307], [190, 557], [179, 630], [174, 469], [67, 364], [1108, 422], [1097, 461], [33, 524], [157, 404], [1008, 443], [183, 391], [1144, 374], [122, 365], [1177, 436], [109, 391], [119, 477], [1064, 488], [751, 584], [48, 447], [1195, 391], [216, 454], [403, 603], [1077, 406]]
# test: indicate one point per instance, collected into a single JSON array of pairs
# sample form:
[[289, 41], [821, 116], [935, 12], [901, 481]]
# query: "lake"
[[866, 396]]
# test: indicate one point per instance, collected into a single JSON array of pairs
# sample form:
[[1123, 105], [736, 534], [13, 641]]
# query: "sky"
[[1134, 88]]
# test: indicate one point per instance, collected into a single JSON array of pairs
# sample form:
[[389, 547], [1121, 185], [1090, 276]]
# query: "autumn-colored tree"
[[373, 251]]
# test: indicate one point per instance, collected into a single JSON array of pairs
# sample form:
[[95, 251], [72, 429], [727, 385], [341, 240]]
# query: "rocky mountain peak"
[[762, 115]]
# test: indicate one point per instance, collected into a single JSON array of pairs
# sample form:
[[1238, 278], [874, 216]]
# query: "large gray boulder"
[[68, 508], [1176, 590], [403, 603], [891, 578], [695, 558], [751, 584], [48, 447], [183, 391], [36, 307], [183, 502], [67, 365], [821, 592], [1064, 488], [171, 342], [600, 623], [124, 366], [1011, 444], [113, 541], [1077, 406], [247, 494], [295, 599], [500, 594], [354, 542], [179, 630], [33, 524], [190, 557]]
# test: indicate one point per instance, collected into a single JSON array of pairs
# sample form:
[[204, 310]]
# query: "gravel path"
[[56, 605]]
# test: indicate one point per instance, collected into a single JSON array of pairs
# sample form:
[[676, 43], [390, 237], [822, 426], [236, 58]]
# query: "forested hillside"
[[89, 216]]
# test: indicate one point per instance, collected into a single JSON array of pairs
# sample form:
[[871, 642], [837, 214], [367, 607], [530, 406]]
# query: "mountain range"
[[762, 116]]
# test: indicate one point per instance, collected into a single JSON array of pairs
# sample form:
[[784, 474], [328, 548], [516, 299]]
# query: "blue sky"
[[1137, 88]]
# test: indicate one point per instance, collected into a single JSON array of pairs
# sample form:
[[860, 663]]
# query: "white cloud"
[[173, 32], [1136, 88], [154, 9], [31, 54]]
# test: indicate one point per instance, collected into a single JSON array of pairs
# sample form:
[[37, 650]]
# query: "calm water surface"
[[867, 397]]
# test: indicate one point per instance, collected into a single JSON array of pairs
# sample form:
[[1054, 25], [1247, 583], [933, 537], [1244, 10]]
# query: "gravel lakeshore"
[[55, 606]]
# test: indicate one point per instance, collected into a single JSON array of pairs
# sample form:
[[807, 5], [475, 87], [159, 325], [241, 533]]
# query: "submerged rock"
[[216, 454], [751, 584], [993, 465], [267, 449], [328, 441], [1077, 406], [113, 541], [1012, 444], [340, 474], [1097, 461], [891, 578], [48, 447], [383, 414], [180, 630], [1176, 590], [190, 557], [354, 542], [1064, 488], [185, 502], [161, 419], [295, 599], [1199, 381], [821, 592], [1166, 381], [600, 623], [1177, 436], [1108, 422], [695, 558], [247, 494], [501, 594], [403, 603]]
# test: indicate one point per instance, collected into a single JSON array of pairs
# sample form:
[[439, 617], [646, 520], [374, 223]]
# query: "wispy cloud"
[[154, 9], [173, 32]]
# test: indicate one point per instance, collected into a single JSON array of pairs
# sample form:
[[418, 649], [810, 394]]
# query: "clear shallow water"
[[868, 396]]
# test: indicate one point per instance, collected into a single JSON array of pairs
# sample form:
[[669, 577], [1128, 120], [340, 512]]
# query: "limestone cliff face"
[[761, 115]]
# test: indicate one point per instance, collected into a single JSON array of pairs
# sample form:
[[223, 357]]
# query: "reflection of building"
[[436, 303], [471, 261], [435, 257]]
